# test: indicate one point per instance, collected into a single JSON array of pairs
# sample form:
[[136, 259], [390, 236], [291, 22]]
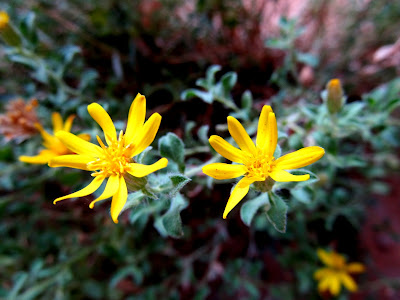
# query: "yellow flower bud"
[[4, 19], [334, 96], [7, 32]]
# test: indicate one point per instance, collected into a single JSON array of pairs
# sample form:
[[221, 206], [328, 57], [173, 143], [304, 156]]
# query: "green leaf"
[[202, 82], [170, 224], [134, 199], [28, 28], [68, 52], [40, 73], [229, 80], [193, 93], [277, 43], [350, 161], [87, 79], [392, 104], [352, 109], [142, 155], [20, 279], [302, 195], [172, 147], [133, 271], [148, 192], [277, 214], [307, 59], [247, 100], [178, 182], [203, 133], [380, 95], [210, 74], [278, 151], [250, 208], [23, 60]]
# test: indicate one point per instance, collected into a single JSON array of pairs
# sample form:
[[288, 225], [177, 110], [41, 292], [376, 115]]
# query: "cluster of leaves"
[[334, 194]]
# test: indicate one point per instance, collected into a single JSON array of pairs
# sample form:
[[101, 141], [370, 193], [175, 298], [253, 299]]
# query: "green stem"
[[195, 150], [228, 103]]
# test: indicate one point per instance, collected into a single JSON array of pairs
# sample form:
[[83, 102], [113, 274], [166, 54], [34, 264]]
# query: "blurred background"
[[281, 53]]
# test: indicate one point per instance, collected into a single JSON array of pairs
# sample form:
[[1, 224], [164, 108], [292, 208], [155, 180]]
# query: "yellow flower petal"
[[57, 122], [355, 268], [42, 158], [78, 145], [119, 200], [326, 257], [74, 161], [224, 171], [93, 186], [348, 282], [283, 176], [147, 134], [237, 194], [84, 136], [334, 285], [109, 191], [246, 181], [136, 116], [240, 135], [139, 170], [263, 126], [321, 273], [271, 136], [103, 119], [324, 284], [300, 158], [49, 141], [68, 123], [227, 150]]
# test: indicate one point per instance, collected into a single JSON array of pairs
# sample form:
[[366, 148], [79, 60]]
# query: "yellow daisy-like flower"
[[113, 160], [336, 273], [54, 146], [256, 161]]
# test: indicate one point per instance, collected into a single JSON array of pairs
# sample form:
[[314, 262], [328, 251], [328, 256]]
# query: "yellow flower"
[[4, 19], [54, 146], [336, 273], [114, 160], [256, 161]]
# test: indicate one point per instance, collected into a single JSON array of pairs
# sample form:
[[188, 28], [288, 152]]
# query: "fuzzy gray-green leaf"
[[277, 214], [172, 147], [250, 208]]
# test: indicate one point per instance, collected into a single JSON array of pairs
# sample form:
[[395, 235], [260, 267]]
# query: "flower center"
[[115, 159], [339, 262], [260, 165]]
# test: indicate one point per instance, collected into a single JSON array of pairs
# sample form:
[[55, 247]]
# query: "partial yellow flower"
[[54, 146], [113, 159], [4, 19], [256, 161], [336, 273]]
